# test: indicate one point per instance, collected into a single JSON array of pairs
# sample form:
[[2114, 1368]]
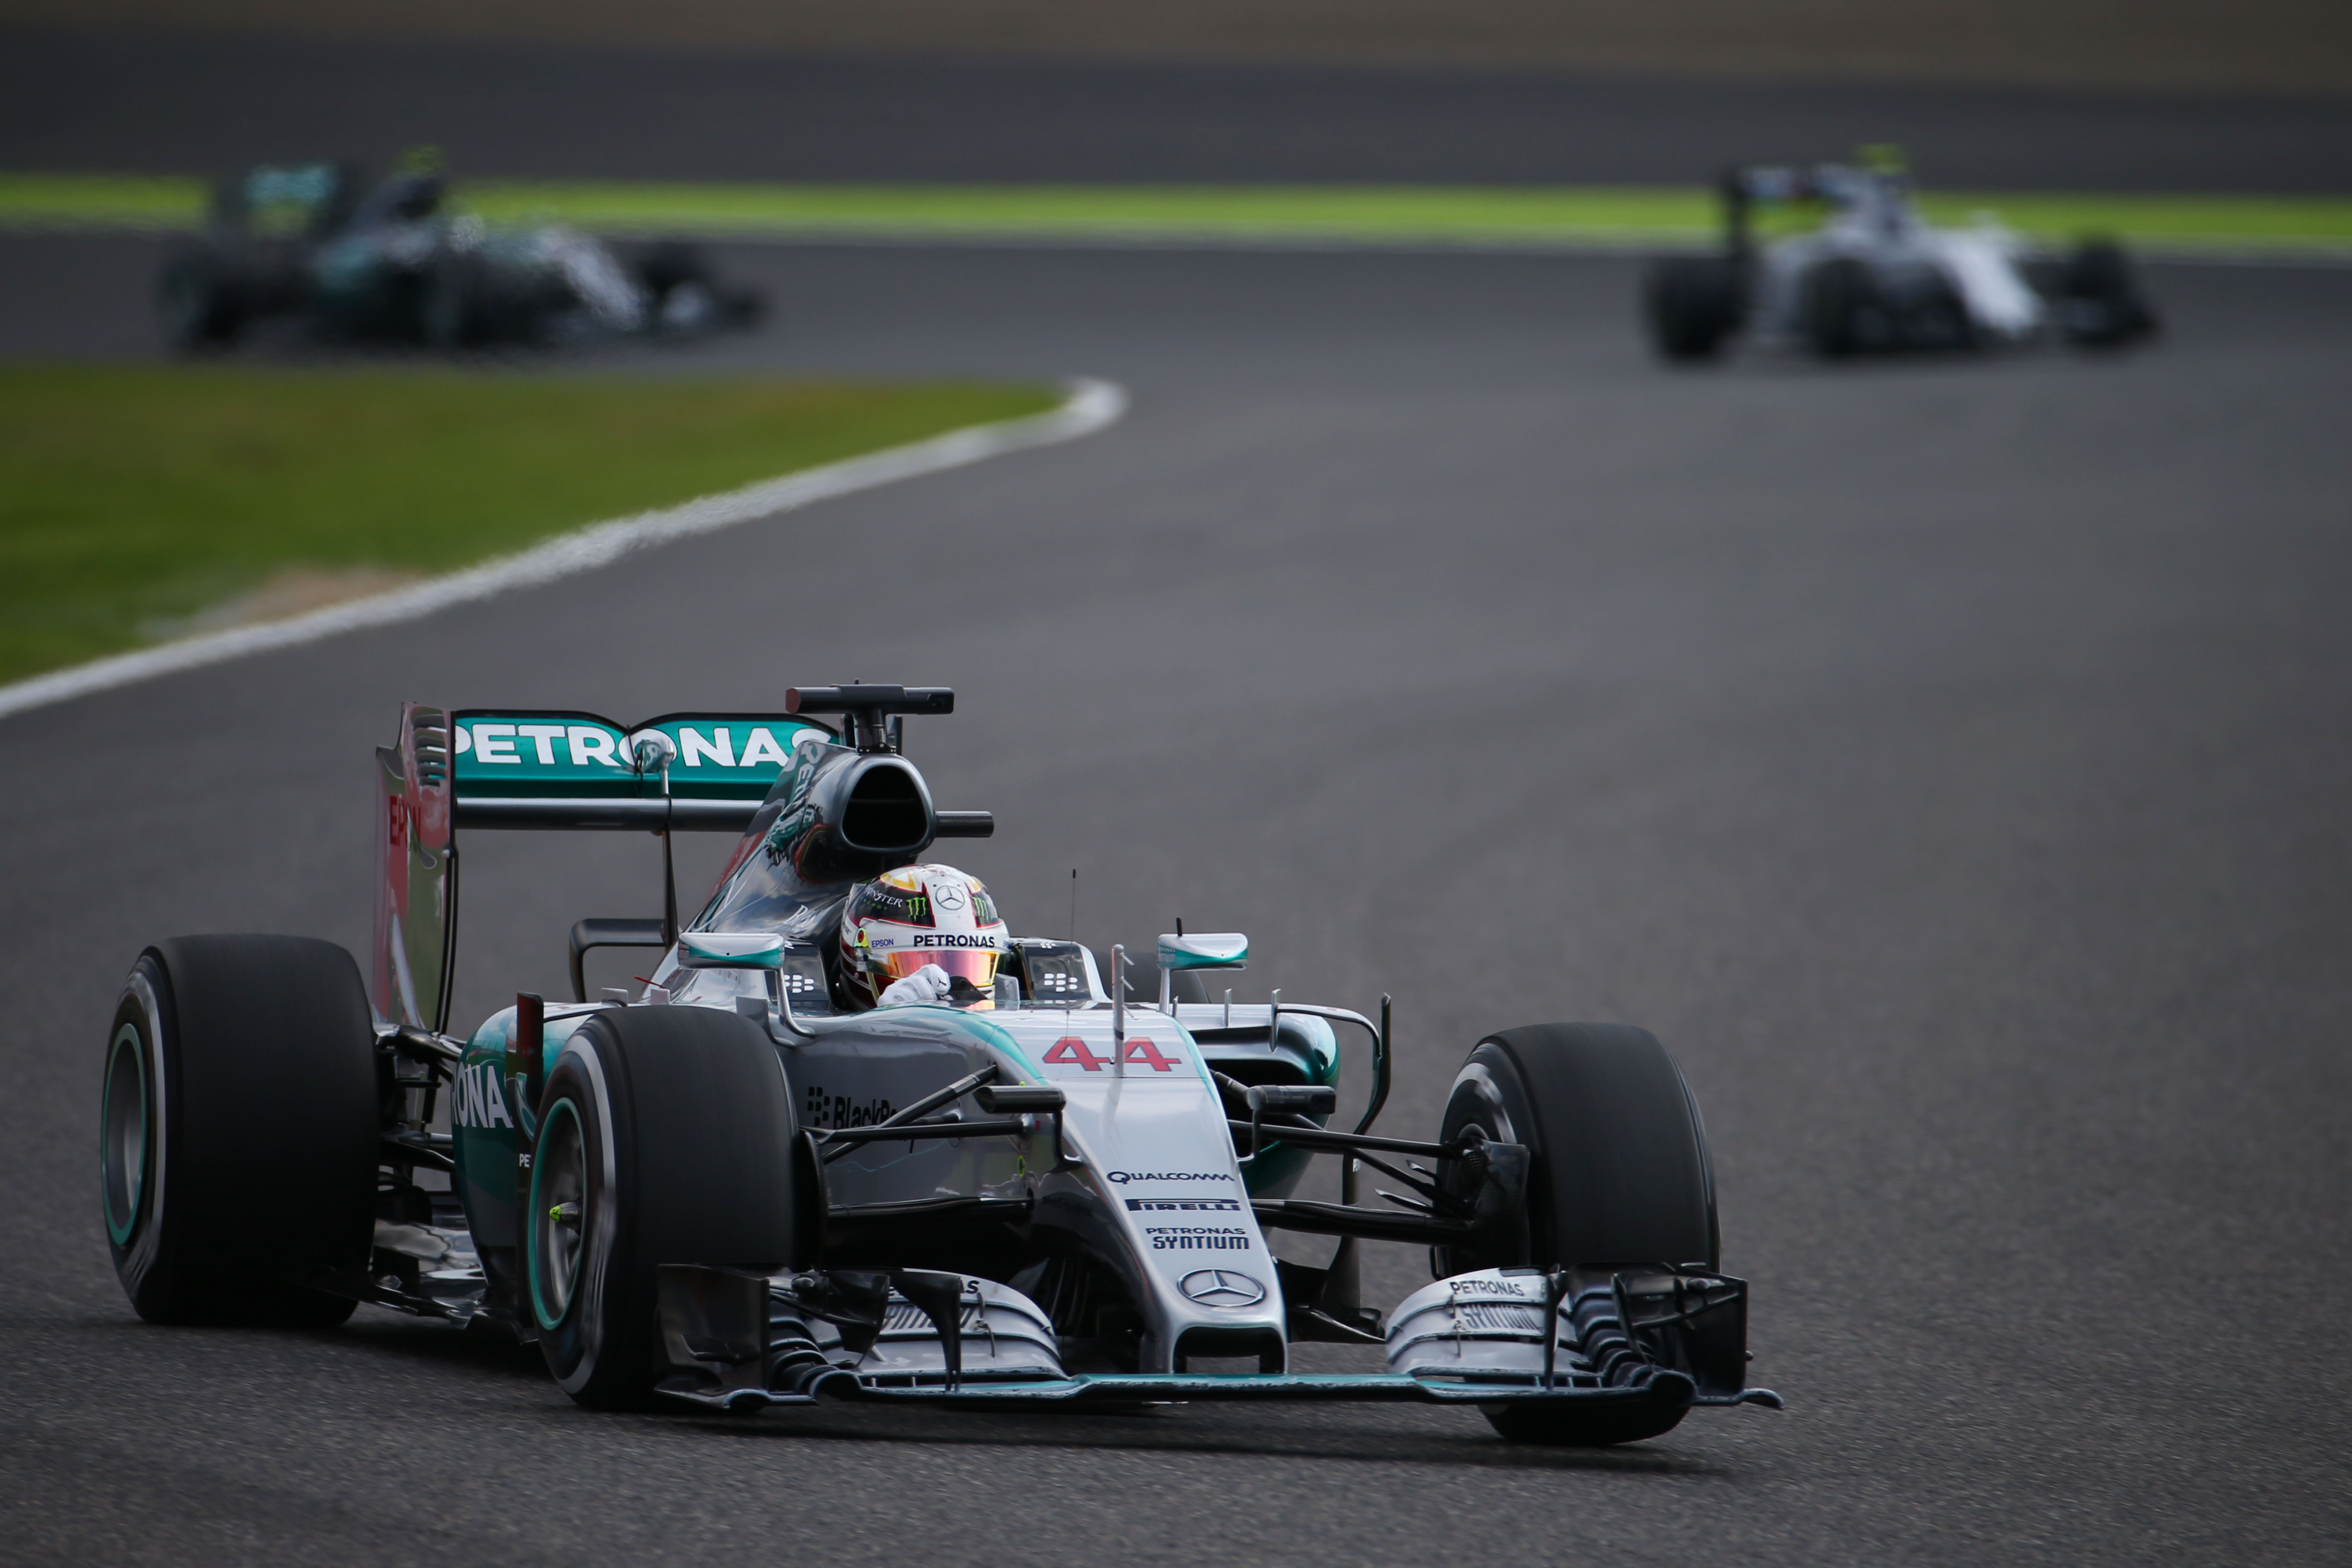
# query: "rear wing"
[[511, 768], [1877, 180], [691, 771], [557, 768]]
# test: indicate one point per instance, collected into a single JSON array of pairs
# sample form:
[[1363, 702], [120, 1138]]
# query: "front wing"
[[736, 1341], [1668, 1388]]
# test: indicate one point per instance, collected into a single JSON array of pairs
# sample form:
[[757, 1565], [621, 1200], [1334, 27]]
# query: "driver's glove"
[[929, 984]]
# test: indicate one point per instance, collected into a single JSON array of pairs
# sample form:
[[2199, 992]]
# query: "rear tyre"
[[664, 1136], [239, 1130], [1619, 1173], [1692, 304]]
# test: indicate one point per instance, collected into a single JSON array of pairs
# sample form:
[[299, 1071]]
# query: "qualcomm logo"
[[1222, 1288], [1123, 1177]]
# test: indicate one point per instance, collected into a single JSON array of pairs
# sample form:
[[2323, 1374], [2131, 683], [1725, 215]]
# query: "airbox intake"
[[866, 813], [885, 810]]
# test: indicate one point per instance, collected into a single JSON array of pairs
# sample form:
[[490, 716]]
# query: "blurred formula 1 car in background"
[[1876, 277], [392, 263]]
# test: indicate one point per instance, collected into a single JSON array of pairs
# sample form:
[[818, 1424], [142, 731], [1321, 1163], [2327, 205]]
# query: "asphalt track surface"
[[1948, 761], [207, 103]]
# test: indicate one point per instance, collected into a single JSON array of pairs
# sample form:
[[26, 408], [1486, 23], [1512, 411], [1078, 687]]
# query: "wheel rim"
[[1490, 1116], [122, 1134], [1486, 1111], [559, 1213]]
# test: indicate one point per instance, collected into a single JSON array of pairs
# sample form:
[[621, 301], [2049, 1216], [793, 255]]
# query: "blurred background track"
[[1948, 761], [2260, 45], [200, 103]]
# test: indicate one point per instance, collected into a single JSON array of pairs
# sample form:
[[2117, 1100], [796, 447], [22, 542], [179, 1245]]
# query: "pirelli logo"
[[1183, 1205]]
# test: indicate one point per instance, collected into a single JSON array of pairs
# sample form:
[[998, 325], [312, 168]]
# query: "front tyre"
[[2100, 304], [1619, 1173], [1692, 304], [239, 1130], [664, 1136]]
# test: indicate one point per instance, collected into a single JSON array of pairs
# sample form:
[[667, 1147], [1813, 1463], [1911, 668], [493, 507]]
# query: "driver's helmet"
[[894, 925]]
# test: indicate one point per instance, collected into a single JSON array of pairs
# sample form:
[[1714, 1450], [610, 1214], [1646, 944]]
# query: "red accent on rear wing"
[[416, 874]]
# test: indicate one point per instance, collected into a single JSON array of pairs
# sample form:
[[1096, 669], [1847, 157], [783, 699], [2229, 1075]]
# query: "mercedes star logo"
[[1222, 1287]]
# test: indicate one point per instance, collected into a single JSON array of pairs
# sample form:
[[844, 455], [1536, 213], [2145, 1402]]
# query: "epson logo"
[[1123, 1177]]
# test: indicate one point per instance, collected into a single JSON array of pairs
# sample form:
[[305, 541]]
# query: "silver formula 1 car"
[[317, 244], [1875, 276], [747, 1186]]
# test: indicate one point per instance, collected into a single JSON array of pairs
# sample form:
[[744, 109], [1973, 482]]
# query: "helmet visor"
[[977, 964]]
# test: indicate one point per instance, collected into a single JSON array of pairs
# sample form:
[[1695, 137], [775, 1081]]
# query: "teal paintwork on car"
[[582, 756], [483, 1104], [1218, 950], [1306, 1044]]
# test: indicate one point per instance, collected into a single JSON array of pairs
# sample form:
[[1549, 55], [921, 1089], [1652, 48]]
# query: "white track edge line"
[[1091, 406]]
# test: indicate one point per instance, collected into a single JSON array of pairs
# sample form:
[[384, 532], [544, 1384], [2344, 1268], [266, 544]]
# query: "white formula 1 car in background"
[[1875, 276]]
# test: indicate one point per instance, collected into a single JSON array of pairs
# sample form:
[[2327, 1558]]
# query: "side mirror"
[[1223, 950], [731, 950]]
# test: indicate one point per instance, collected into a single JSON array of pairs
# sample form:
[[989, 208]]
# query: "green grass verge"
[[1226, 214], [1294, 212], [132, 498], [99, 201]]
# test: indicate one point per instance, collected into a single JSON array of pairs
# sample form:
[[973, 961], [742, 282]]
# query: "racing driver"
[[920, 933]]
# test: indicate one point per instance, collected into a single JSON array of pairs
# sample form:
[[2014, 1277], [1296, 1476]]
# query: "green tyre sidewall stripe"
[[562, 1110], [120, 1230]]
